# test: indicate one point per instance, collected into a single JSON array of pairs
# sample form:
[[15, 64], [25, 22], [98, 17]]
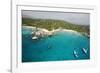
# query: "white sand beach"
[[44, 32]]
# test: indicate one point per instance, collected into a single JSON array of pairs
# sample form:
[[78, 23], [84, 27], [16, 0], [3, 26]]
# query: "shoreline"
[[45, 32], [54, 30]]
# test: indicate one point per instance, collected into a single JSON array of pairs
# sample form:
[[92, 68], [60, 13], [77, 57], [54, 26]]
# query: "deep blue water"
[[58, 47]]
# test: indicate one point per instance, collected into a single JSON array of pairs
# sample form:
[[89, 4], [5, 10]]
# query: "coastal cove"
[[51, 24], [53, 45], [40, 32]]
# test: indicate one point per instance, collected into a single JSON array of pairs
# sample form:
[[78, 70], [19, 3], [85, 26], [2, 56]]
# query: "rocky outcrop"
[[41, 33]]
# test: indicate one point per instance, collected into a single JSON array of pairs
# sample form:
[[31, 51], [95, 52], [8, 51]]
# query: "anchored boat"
[[84, 50], [75, 54], [34, 37]]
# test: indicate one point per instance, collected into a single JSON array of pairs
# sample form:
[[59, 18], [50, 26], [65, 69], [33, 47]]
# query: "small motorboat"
[[75, 54], [84, 50], [34, 37]]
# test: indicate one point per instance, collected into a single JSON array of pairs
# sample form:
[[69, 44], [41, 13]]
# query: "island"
[[47, 26]]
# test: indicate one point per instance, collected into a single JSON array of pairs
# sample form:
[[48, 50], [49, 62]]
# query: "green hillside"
[[54, 24]]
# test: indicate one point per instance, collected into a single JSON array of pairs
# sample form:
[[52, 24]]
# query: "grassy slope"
[[54, 24]]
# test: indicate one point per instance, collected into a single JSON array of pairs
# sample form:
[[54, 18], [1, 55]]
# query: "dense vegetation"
[[54, 24]]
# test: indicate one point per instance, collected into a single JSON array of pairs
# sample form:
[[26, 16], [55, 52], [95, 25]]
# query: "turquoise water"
[[58, 47]]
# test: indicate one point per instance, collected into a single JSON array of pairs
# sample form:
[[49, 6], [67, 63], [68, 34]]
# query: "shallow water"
[[58, 47]]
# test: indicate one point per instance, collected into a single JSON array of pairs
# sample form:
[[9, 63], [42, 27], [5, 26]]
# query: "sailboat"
[[75, 54], [34, 37], [84, 50]]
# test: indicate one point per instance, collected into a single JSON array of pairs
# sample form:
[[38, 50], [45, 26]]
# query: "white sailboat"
[[34, 37], [84, 50], [75, 54]]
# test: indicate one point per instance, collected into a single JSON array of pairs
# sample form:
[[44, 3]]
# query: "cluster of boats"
[[76, 53]]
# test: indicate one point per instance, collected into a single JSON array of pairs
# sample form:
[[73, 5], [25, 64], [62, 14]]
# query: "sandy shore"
[[47, 32], [29, 27]]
